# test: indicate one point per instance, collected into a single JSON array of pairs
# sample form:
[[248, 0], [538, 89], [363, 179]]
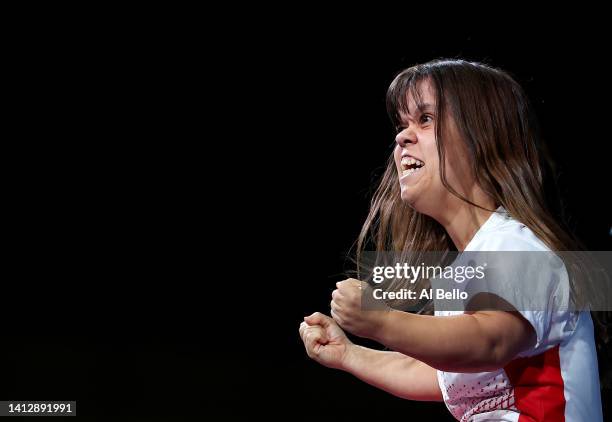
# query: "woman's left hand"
[[347, 311]]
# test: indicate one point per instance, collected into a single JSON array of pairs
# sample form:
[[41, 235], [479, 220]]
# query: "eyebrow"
[[424, 108]]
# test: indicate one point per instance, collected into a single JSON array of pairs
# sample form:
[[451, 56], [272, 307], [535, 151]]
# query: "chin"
[[412, 200], [408, 197]]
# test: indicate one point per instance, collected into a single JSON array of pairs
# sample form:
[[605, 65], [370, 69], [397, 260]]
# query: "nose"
[[405, 137]]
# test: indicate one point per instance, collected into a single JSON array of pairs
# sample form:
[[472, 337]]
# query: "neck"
[[462, 220]]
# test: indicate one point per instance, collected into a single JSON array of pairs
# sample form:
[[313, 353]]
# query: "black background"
[[182, 195]]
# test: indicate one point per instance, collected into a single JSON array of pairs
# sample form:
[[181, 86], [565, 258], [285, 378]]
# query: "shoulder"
[[504, 233]]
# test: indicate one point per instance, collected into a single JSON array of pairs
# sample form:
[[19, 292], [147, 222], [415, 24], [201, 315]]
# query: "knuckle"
[[337, 317]]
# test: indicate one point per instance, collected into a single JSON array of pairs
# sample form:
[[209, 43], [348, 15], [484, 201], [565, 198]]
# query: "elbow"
[[498, 357], [494, 351], [486, 356], [488, 349]]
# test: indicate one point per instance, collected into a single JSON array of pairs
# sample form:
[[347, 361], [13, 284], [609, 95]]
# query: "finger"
[[338, 296], [314, 336], [310, 340], [334, 306], [318, 319], [303, 327], [348, 281], [348, 285], [336, 316], [335, 294], [321, 334], [342, 288]]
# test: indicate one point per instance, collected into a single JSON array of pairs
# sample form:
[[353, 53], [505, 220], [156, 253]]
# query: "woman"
[[465, 175]]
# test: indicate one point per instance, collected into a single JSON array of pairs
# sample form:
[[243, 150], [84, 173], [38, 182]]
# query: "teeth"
[[409, 171], [409, 161]]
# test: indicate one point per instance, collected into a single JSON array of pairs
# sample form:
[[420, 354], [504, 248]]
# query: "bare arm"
[[476, 342], [394, 373], [398, 374]]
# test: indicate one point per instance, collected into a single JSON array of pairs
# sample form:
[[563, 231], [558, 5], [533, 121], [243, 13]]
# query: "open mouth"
[[411, 165]]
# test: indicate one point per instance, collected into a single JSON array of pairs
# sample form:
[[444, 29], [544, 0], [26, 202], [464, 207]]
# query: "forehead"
[[418, 100]]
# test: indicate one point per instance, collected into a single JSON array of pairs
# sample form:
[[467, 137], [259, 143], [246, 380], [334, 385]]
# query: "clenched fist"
[[325, 342], [347, 311]]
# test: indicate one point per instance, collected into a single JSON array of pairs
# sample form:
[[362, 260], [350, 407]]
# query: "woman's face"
[[416, 157]]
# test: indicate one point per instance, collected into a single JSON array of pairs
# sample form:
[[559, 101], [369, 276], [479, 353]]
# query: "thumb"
[[318, 319]]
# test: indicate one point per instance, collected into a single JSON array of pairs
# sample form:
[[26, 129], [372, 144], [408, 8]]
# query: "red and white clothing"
[[556, 380]]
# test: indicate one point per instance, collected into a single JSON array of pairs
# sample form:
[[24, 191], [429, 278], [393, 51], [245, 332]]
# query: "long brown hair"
[[494, 119]]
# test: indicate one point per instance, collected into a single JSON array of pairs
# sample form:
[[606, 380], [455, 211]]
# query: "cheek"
[[397, 153], [457, 165], [431, 160]]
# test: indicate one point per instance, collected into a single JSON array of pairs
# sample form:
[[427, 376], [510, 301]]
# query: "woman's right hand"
[[324, 340]]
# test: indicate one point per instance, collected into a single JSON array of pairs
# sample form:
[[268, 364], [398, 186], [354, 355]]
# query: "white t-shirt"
[[556, 380]]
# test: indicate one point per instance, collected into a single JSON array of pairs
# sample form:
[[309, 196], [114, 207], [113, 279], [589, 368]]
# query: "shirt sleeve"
[[534, 283]]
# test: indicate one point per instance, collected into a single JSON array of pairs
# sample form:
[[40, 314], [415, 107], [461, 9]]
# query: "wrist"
[[379, 334], [350, 356]]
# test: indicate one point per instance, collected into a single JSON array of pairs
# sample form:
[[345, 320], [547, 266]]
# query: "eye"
[[426, 118]]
